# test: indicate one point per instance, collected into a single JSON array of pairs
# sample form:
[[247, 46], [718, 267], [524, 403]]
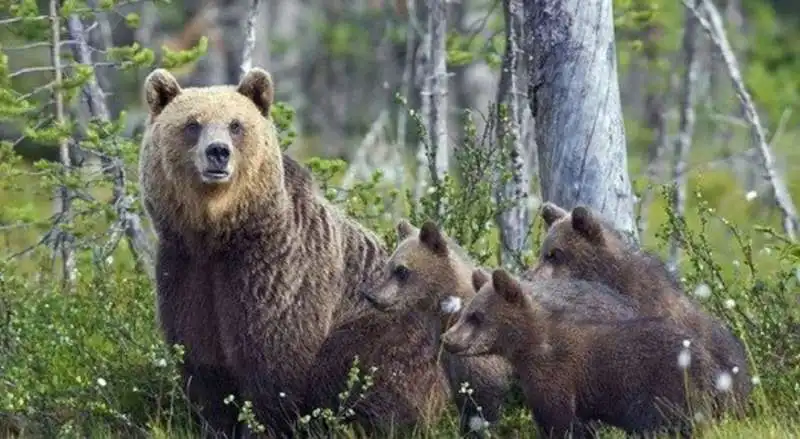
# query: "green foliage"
[[93, 362]]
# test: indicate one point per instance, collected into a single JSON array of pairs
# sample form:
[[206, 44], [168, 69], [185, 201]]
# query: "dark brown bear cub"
[[632, 374], [579, 245], [429, 274]]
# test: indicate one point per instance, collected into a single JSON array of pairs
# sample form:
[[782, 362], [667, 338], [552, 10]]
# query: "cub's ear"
[[160, 88], [479, 278], [431, 237], [506, 286], [585, 223], [257, 86], [551, 213], [405, 229]]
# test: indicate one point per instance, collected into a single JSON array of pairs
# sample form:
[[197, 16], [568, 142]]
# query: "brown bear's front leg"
[[207, 387]]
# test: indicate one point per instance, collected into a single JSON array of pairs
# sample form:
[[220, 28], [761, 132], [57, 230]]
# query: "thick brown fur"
[[438, 273], [580, 245], [252, 271], [428, 270], [574, 370]]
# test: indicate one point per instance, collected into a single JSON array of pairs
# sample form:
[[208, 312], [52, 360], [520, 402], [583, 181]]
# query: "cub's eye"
[[236, 128], [192, 128], [401, 272], [555, 256], [475, 317]]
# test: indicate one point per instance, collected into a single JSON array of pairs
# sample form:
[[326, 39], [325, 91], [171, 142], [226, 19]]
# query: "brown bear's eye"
[[555, 256], [236, 127], [401, 272], [192, 128]]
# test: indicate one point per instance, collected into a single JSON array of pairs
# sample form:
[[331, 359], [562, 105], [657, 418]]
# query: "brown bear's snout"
[[218, 156]]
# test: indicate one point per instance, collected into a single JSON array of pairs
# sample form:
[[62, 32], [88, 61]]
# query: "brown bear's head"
[[425, 273], [578, 245], [488, 323], [212, 143]]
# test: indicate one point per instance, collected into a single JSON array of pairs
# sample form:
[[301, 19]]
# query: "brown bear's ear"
[[405, 229], [479, 278], [430, 235], [584, 222], [551, 213], [257, 86], [506, 286], [160, 88]]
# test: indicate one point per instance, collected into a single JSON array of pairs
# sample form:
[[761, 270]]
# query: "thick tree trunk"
[[574, 96]]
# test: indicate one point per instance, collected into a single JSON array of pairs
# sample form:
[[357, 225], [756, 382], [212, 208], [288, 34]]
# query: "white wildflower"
[[702, 291], [684, 358], [750, 196], [282, 394], [450, 305], [729, 304], [101, 382], [687, 343], [477, 423], [756, 380], [723, 382], [735, 370], [161, 362]]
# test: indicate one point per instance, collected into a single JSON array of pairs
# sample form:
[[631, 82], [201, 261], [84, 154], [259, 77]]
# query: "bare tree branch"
[[250, 38], [716, 31], [685, 128]]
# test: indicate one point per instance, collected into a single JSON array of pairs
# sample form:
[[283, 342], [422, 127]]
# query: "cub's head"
[[425, 273], [578, 245], [486, 325], [210, 142]]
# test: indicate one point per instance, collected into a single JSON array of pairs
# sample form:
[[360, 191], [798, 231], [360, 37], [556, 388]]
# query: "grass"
[[55, 349]]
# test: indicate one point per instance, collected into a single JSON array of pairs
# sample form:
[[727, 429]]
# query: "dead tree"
[[716, 32], [94, 100], [514, 220], [63, 239], [683, 142], [434, 94], [575, 100]]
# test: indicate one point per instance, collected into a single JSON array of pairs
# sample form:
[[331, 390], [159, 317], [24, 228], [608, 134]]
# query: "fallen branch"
[[716, 31]]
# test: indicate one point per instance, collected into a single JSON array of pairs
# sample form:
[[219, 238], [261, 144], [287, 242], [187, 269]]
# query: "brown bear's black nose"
[[218, 154]]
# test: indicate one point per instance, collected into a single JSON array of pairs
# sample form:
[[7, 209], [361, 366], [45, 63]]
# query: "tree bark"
[[575, 100], [685, 129], [514, 221]]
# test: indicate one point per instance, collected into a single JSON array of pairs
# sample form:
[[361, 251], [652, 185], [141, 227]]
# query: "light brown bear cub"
[[580, 245], [431, 278], [254, 267], [632, 374]]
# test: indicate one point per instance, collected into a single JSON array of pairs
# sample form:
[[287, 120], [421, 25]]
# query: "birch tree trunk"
[[434, 93], [685, 127], [514, 222], [63, 239], [575, 100]]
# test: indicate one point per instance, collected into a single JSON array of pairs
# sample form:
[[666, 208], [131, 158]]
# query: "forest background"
[[445, 110]]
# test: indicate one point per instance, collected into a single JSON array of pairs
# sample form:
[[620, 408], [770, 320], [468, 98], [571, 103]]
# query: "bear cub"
[[580, 245], [429, 275], [626, 373]]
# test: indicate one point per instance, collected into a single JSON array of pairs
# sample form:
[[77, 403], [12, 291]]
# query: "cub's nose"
[[218, 154]]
